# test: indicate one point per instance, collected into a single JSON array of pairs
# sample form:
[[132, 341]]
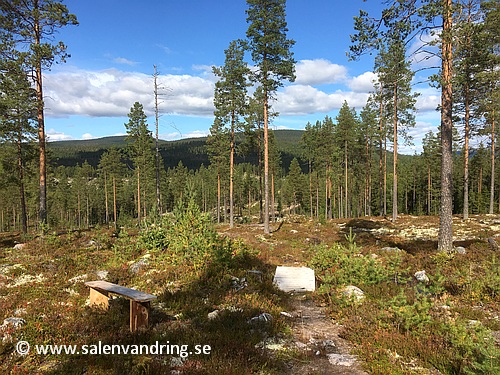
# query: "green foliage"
[[476, 283], [474, 348], [192, 237], [340, 265], [268, 44], [189, 240], [124, 249], [410, 316]]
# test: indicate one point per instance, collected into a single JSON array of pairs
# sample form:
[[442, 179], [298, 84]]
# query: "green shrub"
[[474, 347], [340, 265], [155, 236], [410, 316], [189, 240], [124, 249]]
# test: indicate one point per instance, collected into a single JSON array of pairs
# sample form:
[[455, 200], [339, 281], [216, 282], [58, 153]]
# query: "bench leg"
[[99, 299], [139, 315]]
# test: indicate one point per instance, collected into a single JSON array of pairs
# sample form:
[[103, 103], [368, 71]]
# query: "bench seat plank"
[[132, 294]]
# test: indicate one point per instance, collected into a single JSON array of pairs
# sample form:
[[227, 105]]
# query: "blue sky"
[[114, 48]]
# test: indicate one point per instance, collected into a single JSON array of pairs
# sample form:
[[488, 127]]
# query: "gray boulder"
[[353, 292], [421, 276]]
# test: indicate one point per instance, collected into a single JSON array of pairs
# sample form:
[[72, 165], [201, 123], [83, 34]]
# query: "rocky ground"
[[316, 334], [319, 337], [316, 340]]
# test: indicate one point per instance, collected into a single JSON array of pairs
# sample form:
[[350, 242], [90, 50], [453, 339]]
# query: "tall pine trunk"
[[139, 196], [41, 124], [157, 166], [231, 176], [310, 189], [106, 198], [492, 181], [346, 182], [218, 195], [20, 172], [445, 237], [395, 157], [385, 176], [466, 154], [266, 166], [381, 160], [115, 214]]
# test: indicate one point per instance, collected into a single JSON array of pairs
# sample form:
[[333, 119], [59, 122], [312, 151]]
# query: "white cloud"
[[53, 135], [206, 70], [123, 60], [280, 127], [170, 136], [88, 136], [302, 99], [319, 71], [429, 99], [196, 134], [363, 82], [112, 93], [177, 135]]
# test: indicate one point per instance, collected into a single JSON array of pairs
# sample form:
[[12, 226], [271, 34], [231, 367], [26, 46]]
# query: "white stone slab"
[[295, 279]]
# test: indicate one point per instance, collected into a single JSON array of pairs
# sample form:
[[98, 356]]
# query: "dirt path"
[[318, 337]]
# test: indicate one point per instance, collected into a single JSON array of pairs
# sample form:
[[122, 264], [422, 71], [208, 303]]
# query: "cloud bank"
[[112, 92], [320, 88]]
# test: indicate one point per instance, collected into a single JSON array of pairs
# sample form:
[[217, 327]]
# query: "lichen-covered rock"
[[13, 322], [346, 360], [493, 244], [353, 292], [421, 276]]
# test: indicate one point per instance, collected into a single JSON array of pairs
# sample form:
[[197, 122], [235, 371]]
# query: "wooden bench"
[[139, 301]]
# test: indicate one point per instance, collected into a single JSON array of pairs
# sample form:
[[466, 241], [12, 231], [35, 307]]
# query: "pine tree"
[[140, 148], [17, 116], [468, 57], [430, 154], [327, 150], [380, 97], [368, 130], [489, 80], [406, 20], [395, 76], [309, 145], [32, 24], [230, 100], [111, 166], [345, 138], [274, 63], [253, 140], [295, 184], [218, 148]]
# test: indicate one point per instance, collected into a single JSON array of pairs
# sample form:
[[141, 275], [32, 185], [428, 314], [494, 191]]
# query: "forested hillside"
[[343, 167], [191, 151], [88, 178]]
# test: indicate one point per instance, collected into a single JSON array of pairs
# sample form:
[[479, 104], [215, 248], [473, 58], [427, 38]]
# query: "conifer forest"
[[402, 248], [343, 167]]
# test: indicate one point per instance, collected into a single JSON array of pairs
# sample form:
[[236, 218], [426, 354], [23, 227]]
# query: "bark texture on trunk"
[[445, 238]]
